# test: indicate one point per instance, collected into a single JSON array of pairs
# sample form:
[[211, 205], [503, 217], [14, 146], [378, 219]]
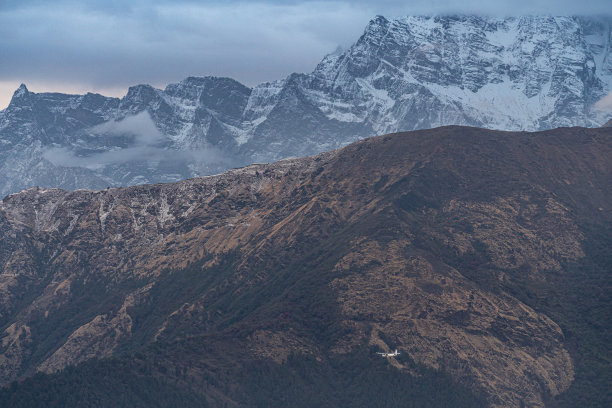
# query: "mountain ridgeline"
[[523, 73], [482, 256]]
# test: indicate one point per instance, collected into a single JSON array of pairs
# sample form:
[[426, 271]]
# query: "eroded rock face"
[[409, 241]]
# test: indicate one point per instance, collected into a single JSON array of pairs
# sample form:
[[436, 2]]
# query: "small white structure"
[[395, 353]]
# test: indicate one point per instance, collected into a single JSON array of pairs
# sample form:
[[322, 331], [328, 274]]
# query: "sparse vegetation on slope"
[[481, 255]]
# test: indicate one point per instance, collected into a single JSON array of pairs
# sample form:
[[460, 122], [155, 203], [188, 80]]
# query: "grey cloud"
[[112, 43], [201, 157], [140, 125], [165, 42], [146, 147], [604, 105]]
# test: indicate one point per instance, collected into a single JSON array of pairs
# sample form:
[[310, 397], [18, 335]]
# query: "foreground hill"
[[518, 73], [482, 256]]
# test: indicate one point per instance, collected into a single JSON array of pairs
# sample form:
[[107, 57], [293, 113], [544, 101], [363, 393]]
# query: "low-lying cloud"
[[141, 126], [147, 144], [604, 105]]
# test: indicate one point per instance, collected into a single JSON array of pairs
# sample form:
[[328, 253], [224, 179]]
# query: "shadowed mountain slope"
[[482, 256]]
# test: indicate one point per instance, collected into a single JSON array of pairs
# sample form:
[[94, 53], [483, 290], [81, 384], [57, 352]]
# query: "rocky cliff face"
[[458, 246], [525, 73]]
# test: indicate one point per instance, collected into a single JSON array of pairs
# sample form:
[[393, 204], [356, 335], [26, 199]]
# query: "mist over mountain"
[[523, 73]]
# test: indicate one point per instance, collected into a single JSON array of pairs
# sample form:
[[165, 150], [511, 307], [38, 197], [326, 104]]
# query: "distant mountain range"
[[482, 256], [524, 73]]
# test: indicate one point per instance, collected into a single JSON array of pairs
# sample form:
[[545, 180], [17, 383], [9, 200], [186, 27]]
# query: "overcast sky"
[[104, 46]]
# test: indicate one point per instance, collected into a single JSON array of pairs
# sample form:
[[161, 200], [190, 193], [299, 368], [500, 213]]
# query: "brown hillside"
[[451, 244]]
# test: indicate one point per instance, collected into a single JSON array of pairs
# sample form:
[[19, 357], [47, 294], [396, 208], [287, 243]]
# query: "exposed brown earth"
[[415, 238]]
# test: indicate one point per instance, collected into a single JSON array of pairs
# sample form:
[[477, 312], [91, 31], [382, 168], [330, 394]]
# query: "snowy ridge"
[[520, 73], [513, 74]]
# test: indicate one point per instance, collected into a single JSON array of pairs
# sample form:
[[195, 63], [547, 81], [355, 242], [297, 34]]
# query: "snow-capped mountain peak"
[[21, 92], [517, 73]]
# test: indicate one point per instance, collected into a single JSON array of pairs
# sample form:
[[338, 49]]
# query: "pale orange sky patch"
[[7, 88]]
